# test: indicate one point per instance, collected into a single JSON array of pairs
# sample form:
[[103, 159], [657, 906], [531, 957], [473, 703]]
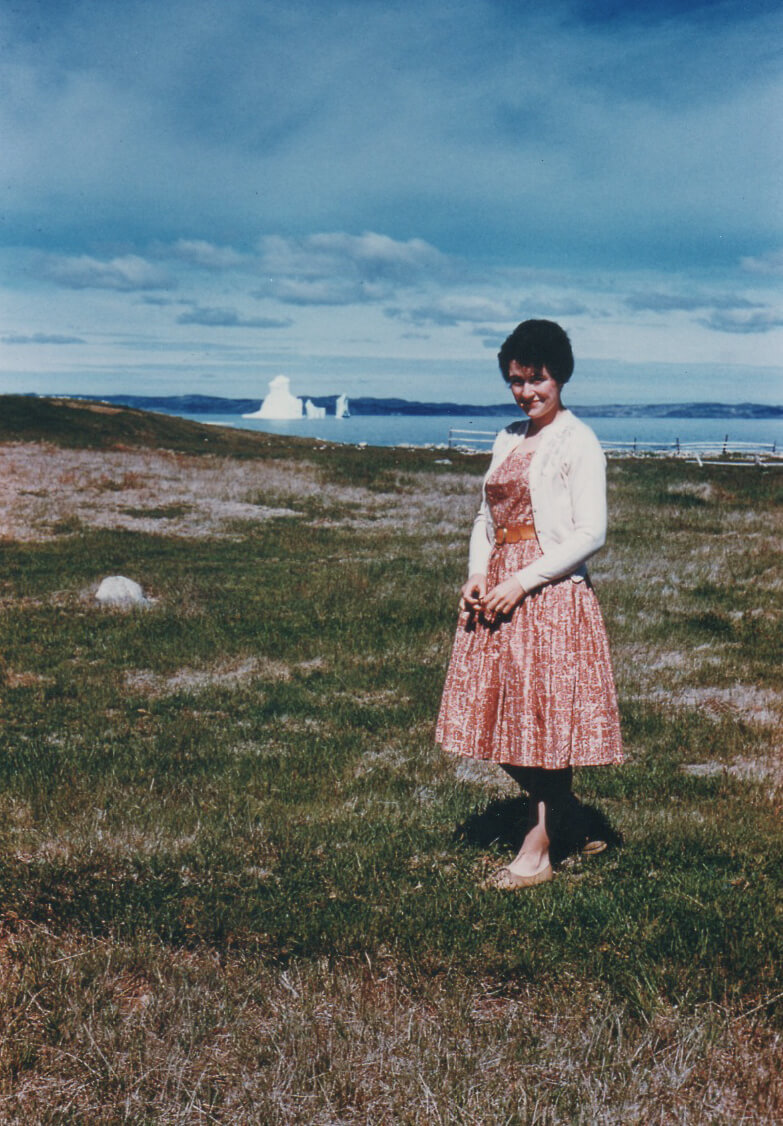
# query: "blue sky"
[[367, 196]]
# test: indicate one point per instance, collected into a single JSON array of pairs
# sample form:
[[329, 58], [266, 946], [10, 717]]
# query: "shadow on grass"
[[503, 823]]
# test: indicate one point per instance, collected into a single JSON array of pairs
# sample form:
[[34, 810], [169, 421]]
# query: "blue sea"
[[435, 430]]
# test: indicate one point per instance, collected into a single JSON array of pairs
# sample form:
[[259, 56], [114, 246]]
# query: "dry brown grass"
[[222, 674], [44, 487], [47, 490], [103, 1031], [176, 1038], [739, 702]]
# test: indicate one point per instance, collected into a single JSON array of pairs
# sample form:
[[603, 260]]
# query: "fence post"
[[725, 442]]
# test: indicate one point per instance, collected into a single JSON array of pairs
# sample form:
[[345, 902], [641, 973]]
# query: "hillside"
[[89, 425], [84, 424]]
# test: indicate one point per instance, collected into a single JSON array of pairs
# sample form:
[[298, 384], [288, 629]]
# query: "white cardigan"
[[568, 495]]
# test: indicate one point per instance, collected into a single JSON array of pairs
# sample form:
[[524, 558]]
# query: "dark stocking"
[[550, 810]]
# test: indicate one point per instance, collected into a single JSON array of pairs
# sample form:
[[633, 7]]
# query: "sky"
[[368, 195]]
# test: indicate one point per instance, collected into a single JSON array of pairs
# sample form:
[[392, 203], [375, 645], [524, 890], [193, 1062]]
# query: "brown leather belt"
[[514, 533]]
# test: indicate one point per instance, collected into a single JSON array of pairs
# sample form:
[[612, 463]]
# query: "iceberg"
[[279, 402]]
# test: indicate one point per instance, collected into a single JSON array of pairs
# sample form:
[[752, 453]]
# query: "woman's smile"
[[536, 392]]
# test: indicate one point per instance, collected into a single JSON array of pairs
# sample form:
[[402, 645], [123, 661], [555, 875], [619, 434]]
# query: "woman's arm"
[[586, 495]]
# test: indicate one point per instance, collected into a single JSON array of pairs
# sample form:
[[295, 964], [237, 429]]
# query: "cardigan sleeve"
[[585, 482]]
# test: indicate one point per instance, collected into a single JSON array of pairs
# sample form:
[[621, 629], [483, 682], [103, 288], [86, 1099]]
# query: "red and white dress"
[[534, 688]]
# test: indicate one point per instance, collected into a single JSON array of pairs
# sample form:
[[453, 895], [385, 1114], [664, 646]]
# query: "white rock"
[[116, 590]]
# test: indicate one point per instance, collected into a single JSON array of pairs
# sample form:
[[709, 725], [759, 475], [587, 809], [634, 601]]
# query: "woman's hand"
[[473, 592], [503, 598]]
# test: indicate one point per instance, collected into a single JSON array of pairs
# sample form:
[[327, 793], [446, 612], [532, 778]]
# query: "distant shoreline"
[[363, 405]]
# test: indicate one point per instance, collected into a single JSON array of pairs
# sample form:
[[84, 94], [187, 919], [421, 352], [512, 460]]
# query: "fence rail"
[[471, 439], [759, 453]]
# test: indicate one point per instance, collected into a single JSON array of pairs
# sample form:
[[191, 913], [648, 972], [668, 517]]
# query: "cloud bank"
[[337, 181]]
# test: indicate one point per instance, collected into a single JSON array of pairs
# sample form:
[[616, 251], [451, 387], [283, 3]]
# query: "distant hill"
[[363, 405], [682, 410]]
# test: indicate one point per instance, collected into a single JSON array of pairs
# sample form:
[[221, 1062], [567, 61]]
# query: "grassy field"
[[239, 884]]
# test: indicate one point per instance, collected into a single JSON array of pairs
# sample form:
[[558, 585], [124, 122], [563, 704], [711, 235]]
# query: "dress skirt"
[[533, 688]]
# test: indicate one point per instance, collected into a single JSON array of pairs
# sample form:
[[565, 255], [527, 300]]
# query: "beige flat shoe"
[[506, 880]]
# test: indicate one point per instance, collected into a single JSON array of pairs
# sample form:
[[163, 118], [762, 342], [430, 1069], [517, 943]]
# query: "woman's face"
[[536, 392]]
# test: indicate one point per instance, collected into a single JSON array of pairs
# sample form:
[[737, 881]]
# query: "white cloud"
[[204, 254], [41, 338], [660, 302], [454, 310], [769, 263], [337, 268], [319, 291], [518, 160], [248, 115], [128, 273], [744, 323], [227, 318]]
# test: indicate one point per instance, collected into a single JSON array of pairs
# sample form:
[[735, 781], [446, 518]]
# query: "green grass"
[[240, 884]]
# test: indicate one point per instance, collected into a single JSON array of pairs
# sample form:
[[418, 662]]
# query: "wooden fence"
[[734, 452]]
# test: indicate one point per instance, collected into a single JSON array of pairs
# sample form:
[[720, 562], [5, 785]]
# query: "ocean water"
[[434, 430]]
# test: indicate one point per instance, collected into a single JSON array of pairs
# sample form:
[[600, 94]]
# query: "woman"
[[530, 681]]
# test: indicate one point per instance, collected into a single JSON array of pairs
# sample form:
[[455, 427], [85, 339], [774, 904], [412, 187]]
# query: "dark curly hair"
[[538, 344]]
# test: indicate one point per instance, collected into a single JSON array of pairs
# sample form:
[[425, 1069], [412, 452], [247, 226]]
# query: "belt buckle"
[[500, 535]]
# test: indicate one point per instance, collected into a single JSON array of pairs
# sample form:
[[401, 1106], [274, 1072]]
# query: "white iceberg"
[[312, 411], [341, 407], [279, 402]]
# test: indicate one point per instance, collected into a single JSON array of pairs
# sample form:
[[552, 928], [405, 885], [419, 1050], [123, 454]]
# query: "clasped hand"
[[500, 600]]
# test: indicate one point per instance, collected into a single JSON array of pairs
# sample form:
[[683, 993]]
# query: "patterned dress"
[[533, 688]]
